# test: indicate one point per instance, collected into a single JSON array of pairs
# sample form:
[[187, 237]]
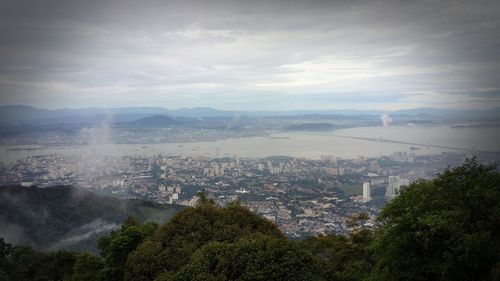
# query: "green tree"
[[146, 262], [88, 268], [447, 228], [344, 257], [258, 258], [116, 247], [61, 265], [27, 264], [6, 265], [176, 241], [23, 263]]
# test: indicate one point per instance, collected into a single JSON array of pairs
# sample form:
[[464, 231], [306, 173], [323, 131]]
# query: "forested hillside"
[[442, 229], [66, 217]]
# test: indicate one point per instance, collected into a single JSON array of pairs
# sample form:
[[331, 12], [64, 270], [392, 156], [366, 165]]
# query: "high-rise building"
[[260, 166], [327, 158], [393, 187], [269, 165], [215, 169], [366, 192]]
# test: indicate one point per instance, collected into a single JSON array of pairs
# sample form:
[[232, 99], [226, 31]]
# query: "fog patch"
[[386, 120], [94, 164], [21, 202], [235, 120], [13, 234], [85, 232], [98, 134]]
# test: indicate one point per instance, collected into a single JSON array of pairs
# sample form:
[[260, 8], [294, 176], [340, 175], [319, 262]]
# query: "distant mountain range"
[[156, 121], [26, 114], [21, 114]]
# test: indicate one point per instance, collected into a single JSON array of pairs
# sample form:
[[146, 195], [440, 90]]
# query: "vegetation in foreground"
[[442, 229]]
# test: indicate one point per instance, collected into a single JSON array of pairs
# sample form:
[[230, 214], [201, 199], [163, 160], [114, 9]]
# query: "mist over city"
[[306, 140]]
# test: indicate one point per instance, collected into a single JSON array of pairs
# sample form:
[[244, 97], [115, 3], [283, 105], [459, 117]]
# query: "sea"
[[344, 143]]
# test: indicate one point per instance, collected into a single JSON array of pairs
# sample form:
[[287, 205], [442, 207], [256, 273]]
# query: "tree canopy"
[[176, 241], [447, 228], [256, 258]]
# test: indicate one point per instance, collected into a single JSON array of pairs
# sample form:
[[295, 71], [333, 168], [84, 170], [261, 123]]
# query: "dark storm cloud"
[[221, 53]]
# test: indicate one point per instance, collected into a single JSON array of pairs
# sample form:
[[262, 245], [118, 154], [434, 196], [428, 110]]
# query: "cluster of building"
[[302, 196]]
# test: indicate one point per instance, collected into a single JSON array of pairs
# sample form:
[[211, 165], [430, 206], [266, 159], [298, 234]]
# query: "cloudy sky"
[[263, 55]]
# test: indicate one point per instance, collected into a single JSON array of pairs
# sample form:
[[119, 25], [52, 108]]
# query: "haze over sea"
[[344, 143]]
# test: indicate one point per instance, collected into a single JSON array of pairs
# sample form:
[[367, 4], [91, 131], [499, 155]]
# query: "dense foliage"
[[442, 229], [176, 241], [22, 263], [252, 258], [116, 247]]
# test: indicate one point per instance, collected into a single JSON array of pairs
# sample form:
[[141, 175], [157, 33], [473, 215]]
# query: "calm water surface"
[[309, 145]]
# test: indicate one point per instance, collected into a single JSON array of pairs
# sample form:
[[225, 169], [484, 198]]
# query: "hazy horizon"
[[245, 110]]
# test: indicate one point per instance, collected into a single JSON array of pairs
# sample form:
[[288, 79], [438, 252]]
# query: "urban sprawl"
[[302, 196]]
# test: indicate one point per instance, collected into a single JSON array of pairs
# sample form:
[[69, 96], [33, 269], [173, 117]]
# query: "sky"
[[250, 55]]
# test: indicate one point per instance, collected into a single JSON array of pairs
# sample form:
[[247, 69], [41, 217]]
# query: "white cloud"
[[185, 54]]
